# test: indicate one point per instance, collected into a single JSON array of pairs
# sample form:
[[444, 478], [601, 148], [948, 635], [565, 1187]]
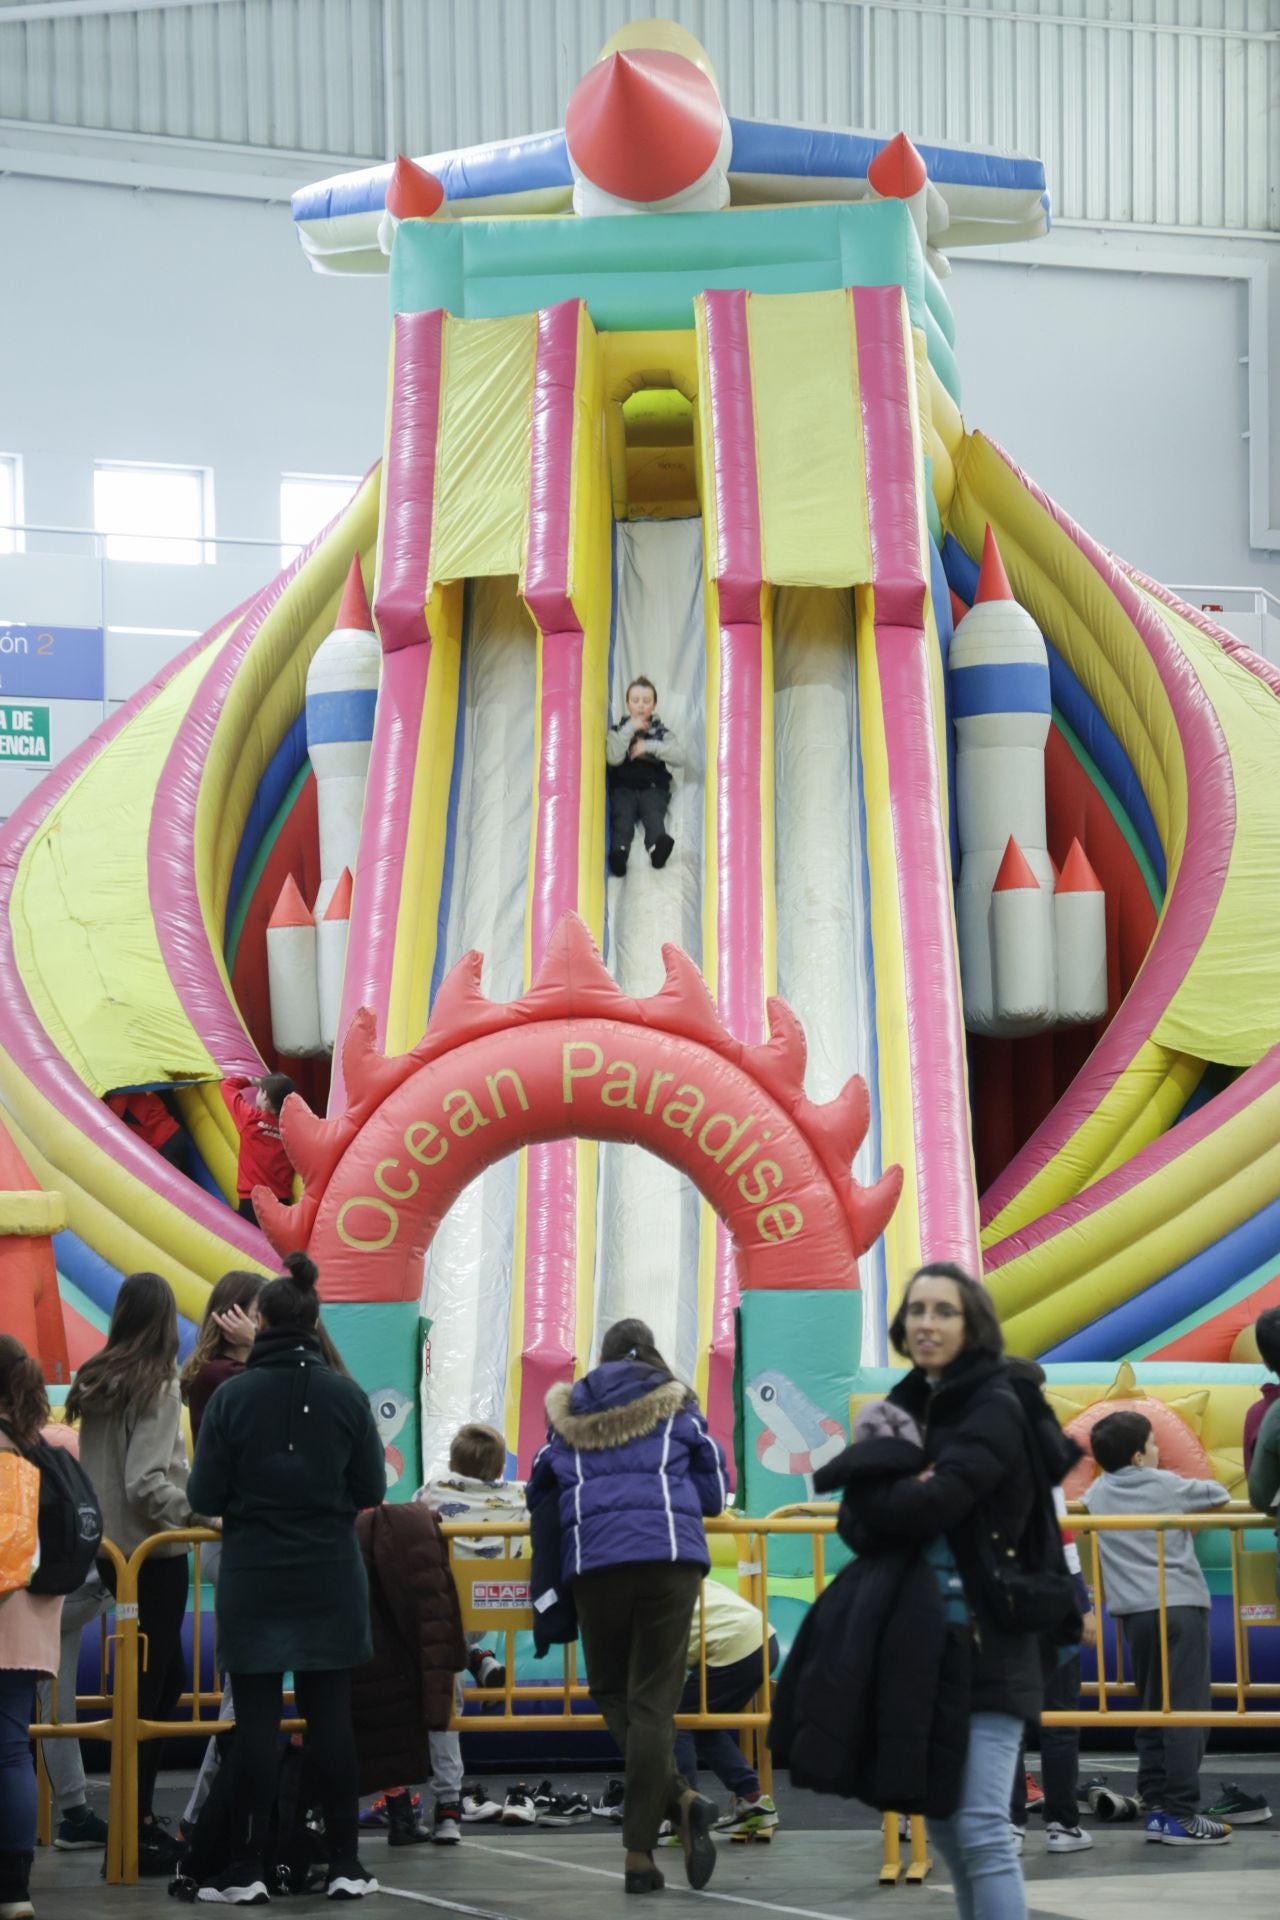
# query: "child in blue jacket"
[[634, 1468]]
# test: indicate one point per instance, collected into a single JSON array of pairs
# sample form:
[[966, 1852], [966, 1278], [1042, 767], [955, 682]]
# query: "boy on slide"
[[640, 752]]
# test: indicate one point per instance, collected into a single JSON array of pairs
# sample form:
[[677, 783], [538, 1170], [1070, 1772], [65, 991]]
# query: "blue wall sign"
[[55, 663]]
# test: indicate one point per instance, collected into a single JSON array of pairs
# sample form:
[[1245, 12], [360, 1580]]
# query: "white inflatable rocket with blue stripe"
[[342, 692], [1005, 901]]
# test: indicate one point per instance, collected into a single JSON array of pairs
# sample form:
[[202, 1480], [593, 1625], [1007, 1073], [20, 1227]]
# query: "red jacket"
[[145, 1114], [263, 1161]]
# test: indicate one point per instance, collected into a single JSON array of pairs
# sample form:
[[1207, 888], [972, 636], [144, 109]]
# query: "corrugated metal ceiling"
[[1147, 111]]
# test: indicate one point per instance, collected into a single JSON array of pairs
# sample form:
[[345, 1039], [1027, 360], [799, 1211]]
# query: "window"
[[308, 501], [158, 514], [10, 502]]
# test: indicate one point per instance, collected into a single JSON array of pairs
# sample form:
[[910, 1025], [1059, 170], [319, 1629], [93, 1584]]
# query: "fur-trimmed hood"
[[615, 1404]]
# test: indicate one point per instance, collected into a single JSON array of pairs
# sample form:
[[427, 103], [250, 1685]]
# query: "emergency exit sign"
[[24, 734]]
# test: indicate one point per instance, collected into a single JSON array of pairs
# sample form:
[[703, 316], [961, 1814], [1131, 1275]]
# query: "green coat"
[[288, 1455]]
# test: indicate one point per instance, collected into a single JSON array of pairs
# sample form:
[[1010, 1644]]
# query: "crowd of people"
[[911, 1683]]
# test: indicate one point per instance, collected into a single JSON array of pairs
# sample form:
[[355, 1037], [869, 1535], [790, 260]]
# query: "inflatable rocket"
[[1033, 950]]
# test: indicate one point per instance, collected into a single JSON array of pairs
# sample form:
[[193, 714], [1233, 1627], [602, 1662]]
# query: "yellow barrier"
[[494, 1598]]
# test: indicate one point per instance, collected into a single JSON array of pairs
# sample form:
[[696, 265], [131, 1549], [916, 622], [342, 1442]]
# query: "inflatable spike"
[[413, 193], [290, 910], [354, 615], [897, 171], [993, 581], [1014, 873], [1077, 875], [643, 125]]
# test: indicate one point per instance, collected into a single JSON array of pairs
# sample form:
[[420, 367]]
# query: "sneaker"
[[1155, 1825], [748, 1819], [609, 1805], [242, 1885], [1233, 1805], [617, 864], [17, 1909], [404, 1827], [668, 1836], [519, 1810], [349, 1880], [446, 1823], [477, 1807], [663, 848], [1087, 1792], [1198, 1831], [80, 1829], [1060, 1839], [1019, 1837], [564, 1810], [375, 1814], [1035, 1792], [490, 1673], [1110, 1805], [158, 1851], [543, 1794]]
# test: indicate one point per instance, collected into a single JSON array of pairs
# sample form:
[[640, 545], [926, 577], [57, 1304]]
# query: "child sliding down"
[[641, 753]]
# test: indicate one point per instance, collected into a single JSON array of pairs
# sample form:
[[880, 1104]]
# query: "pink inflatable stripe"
[[25, 1039], [409, 488], [740, 986], [549, 1336], [935, 1030], [1195, 889]]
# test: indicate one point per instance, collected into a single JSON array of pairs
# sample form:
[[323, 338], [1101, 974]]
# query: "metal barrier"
[[495, 1599]]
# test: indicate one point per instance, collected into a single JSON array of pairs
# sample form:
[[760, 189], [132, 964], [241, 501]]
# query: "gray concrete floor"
[[822, 1866]]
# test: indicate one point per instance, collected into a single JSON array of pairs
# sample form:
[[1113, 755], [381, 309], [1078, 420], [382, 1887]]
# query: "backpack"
[[70, 1519], [294, 1854]]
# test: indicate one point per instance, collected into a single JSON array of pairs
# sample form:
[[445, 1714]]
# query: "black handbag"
[[1027, 1586]]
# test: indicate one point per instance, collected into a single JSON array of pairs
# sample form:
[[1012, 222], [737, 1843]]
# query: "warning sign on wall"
[[24, 734]]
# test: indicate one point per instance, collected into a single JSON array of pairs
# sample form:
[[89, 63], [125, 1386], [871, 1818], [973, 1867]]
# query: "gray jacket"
[[137, 1462], [1129, 1560]]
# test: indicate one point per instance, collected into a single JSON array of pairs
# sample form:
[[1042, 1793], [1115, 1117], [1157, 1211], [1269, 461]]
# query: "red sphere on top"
[[412, 192], [897, 172], [643, 125]]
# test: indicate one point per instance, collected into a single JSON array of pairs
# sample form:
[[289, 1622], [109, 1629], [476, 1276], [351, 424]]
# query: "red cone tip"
[[354, 615], [412, 192], [958, 607], [1015, 875], [643, 125], [290, 909], [993, 581], [339, 907], [1077, 875], [897, 171]]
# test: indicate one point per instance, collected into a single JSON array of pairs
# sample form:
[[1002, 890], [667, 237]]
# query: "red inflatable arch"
[[575, 1056]]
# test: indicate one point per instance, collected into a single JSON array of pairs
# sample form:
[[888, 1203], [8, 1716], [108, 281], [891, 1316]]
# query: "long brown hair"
[[137, 1363], [23, 1401], [235, 1289]]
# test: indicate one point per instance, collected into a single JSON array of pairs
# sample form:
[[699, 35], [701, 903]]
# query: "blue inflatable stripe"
[[272, 788], [455, 790], [99, 1281], [946, 633], [1186, 1290], [340, 716], [759, 146], [1080, 713], [1014, 687]]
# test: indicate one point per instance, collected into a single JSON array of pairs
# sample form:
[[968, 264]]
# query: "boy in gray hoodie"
[[1169, 1758]]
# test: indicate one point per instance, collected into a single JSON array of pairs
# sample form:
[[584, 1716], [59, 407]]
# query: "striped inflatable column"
[[556, 1205], [907, 682], [404, 556], [739, 743]]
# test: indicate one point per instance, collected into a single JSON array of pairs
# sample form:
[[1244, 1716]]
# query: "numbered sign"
[[51, 663]]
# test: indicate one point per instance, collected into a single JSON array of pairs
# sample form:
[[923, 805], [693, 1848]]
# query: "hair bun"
[[302, 1270]]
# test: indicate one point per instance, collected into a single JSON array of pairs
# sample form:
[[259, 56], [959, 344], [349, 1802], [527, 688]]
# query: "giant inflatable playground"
[[968, 944]]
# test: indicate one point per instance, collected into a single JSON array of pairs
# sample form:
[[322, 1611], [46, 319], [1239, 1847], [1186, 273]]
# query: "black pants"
[[629, 804], [246, 1211], [162, 1606], [1059, 1754], [729, 1690], [1169, 1757], [635, 1623], [324, 1701]]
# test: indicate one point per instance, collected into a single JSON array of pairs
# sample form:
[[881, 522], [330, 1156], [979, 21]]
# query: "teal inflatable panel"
[[644, 272], [378, 1340]]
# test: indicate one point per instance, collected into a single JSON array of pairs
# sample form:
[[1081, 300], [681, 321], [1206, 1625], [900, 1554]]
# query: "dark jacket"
[[288, 1455], [652, 768], [405, 1692], [212, 1375], [634, 1467], [1254, 1418], [873, 1703], [980, 1494], [555, 1617]]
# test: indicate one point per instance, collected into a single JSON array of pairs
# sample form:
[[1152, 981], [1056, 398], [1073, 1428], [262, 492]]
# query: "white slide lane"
[[824, 967], [647, 1239], [467, 1284]]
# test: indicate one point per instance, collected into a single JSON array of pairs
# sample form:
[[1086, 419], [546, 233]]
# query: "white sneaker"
[[1060, 1839], [477, 1807], [1019, 1837], [520, 1810]]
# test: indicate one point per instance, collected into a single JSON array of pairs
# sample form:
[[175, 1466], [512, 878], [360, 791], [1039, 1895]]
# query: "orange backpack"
[[19, 1521]]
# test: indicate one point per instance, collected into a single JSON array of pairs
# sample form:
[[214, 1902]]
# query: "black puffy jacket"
[[976, 1424]]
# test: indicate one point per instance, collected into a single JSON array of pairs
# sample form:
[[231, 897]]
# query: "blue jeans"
[[17, 1773], [977, 1841]]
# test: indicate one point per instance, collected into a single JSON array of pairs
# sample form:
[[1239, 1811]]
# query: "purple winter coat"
[[629, 1455]]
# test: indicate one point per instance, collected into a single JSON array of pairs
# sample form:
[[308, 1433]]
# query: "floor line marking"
[[609, 1873], [450, 1906]]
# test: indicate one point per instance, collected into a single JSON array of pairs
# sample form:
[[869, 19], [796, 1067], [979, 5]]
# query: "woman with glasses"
[[973, 1500]]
